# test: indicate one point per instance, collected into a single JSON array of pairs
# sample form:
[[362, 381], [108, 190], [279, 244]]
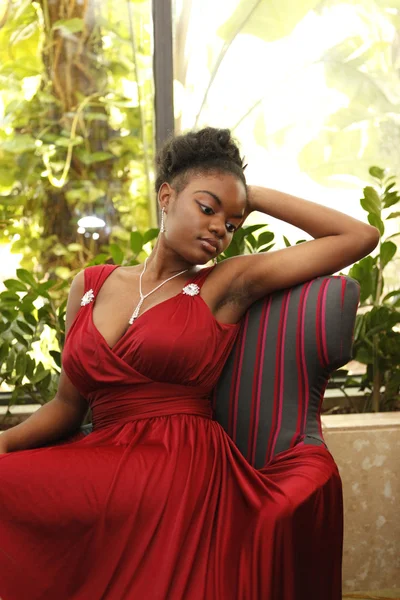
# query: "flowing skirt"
[[167, 508]]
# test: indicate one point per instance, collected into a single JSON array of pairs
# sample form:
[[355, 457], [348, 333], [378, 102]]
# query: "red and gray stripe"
[[269, 395]]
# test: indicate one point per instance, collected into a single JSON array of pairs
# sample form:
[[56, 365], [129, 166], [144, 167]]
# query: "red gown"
[[157, 503]]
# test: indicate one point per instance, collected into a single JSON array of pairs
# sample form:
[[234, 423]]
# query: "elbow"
[[372, 238]]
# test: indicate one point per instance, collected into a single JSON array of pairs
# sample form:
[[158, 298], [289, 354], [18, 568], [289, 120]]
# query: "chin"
[[206, 260]]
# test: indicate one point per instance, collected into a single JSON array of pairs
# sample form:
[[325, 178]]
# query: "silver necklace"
[[143, 297]]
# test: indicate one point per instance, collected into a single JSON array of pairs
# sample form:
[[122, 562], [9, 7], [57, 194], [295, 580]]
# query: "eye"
[[212, 212], [208, 208]]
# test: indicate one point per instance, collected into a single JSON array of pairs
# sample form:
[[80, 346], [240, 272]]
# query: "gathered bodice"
[[174, 352]]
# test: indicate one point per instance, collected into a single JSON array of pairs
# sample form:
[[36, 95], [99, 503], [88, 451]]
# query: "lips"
[[209, 244]]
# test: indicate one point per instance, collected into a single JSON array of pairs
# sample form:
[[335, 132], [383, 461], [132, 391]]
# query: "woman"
[[157, 502]]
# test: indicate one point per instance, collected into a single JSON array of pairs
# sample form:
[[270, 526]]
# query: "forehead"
[[229, 189]]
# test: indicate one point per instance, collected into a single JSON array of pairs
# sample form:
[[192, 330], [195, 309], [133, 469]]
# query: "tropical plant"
[[76, 107], [377, 331]]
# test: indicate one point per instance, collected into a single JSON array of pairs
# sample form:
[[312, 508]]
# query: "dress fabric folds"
[[157, 503]]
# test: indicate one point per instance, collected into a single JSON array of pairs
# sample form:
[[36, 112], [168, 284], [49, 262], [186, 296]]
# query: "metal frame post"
[[163, 71]]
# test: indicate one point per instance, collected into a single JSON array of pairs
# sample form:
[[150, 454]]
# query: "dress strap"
[[202, 275], [96, 275]]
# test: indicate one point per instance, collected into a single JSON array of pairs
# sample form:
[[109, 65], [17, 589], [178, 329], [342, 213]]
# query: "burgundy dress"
[[157, 503]]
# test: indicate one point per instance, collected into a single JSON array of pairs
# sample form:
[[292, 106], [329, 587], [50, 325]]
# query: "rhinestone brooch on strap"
[[192, 289], [88, 297]]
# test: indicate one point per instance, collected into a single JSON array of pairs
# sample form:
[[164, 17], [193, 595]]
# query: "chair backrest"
[[269, 395]]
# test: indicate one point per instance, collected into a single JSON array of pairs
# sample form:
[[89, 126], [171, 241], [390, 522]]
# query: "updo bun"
[[203, 151]]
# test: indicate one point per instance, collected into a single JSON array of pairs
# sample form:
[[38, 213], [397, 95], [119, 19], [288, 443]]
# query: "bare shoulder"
[[76, 292]]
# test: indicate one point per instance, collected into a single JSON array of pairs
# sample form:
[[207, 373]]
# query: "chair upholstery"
[[269, 395]]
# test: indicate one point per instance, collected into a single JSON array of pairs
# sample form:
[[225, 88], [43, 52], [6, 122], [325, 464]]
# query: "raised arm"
[[64, 413], [339, 241]]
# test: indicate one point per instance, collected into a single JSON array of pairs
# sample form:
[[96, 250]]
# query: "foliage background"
[[76, 99]]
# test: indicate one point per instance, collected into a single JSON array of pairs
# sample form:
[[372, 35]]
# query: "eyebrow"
[[217, 200]]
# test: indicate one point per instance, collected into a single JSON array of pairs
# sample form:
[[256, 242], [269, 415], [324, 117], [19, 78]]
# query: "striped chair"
[[269, 395], [270, 392]]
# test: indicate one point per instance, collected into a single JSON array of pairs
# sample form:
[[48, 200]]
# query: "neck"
[[163, 263]]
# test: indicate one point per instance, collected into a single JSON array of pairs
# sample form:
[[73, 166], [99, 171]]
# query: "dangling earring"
[[162, 227]]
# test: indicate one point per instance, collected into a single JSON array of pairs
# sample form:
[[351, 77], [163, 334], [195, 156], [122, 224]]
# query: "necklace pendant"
[[135, 313]]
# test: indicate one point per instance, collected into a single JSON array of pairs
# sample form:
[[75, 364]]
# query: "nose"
[[217, 226]]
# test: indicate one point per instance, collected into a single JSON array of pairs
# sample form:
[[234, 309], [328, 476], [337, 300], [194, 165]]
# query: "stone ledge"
[[361, 421], [20, 409], [331, 422]]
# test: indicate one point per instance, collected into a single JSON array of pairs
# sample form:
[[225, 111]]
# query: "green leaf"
[[30, 366], [251, 241], [393, 294], [44, 382], [377, 172], [56, 357], [287, 243], [150, 234], [252, 228], [234, 248], [364, 272], [390, 199], [24, 327], [19, 144], [43, 286], [14, 396], [15, 286], [389, 187], [375, 221], [9, 296], [10, 361], [29, 317], [136, 242], [20, 364], [265, 238], [4, 326], [27, 302], [388, 250], [39, 374], [20, 338], [364, 355], [99, 259], [116, 253], [394, 215], [26, 277], [265, 248], [371, 201], [4, 350], [69, 26], [44, 312]]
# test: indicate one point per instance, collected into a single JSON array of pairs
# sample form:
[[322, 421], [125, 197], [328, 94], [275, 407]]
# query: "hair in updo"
[[204, 151]]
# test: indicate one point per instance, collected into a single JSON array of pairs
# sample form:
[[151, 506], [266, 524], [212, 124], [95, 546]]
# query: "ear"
[[165, 194]]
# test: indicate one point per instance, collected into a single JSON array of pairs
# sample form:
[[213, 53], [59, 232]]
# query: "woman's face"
[[210, 206]]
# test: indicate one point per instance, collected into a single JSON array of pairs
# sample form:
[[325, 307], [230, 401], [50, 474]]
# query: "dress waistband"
[[112, 411]]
